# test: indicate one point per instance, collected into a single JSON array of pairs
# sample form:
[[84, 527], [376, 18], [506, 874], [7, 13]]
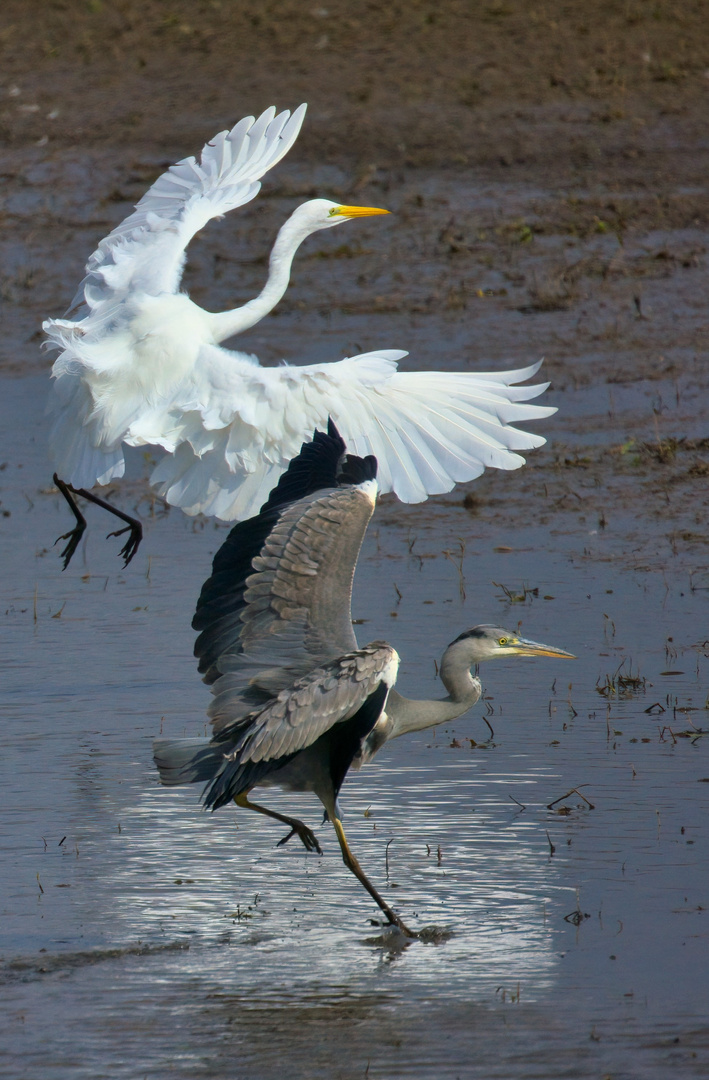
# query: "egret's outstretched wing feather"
[[79, 452], [239, 424], [146, 251]]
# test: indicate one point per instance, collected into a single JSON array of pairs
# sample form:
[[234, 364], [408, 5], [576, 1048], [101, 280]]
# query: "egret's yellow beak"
[[356, 211]]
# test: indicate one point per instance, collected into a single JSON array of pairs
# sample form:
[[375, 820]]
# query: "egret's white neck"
[[226, 324]]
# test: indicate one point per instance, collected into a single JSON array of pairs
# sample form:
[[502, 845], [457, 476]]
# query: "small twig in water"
[[574, 791], [456, 557], [573, 710]]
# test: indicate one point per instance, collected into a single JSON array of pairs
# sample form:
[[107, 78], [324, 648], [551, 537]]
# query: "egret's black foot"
[[132, 525], [308, 837], [74, 538], [132, 543]]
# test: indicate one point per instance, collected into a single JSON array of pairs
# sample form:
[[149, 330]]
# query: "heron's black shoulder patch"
[[355, 470], [316, 466]]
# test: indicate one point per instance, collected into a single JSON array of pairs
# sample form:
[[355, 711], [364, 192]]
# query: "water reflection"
[[214, 952], [175, 871]]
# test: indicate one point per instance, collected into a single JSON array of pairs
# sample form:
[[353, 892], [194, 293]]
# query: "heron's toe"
[[307, 837]]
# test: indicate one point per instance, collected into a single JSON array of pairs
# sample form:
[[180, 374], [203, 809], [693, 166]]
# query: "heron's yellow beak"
[[356, 211], [523, 647]]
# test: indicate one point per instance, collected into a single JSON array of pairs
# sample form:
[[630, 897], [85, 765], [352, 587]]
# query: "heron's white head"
[[486, 641]]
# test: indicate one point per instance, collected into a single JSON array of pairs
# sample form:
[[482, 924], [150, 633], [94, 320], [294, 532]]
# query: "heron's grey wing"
[[353, 687], [320, 465], [296, 611], [146, 251], [277, 602], [299, 714]]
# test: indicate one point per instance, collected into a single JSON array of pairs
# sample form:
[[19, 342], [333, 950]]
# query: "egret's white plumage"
[[141, 364]]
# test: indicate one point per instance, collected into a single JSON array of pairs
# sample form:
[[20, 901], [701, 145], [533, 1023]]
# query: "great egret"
[[141, 364], [296, 700]]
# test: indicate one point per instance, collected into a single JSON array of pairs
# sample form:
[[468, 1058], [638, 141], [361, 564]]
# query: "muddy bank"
[[547, 172]]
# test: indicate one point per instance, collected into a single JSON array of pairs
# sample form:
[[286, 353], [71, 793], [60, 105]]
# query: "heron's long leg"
[[297, 828], [352, 864], [132, 524]]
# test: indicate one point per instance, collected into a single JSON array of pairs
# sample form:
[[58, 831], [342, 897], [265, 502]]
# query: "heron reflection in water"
[[297, 701]]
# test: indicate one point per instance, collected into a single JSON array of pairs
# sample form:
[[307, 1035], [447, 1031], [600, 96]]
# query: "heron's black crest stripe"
[[481, 631], [476, 632], [321, 464]]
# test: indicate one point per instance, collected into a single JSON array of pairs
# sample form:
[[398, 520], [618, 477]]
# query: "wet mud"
[[547, 178]]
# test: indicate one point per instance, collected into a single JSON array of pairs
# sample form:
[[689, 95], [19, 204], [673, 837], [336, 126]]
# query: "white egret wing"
[[146, 251], [238, 424]]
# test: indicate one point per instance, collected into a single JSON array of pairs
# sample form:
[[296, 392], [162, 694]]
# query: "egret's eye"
[[333, 211], [502, 641]]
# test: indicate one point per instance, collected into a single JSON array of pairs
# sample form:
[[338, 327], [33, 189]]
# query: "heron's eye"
[[333, 211], [502, 641]]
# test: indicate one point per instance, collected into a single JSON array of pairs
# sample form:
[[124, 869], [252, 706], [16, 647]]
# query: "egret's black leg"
[[297, 828], [352, 864], [74, 537], [133, 526]]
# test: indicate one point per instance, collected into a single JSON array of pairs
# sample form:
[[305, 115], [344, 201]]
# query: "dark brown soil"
[[547, 165], [410, 82]]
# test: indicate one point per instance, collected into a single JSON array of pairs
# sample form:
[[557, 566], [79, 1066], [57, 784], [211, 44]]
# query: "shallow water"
[[142, 937]]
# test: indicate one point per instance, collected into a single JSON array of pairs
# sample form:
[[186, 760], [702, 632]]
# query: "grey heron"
[[141, 364], [296, 700]]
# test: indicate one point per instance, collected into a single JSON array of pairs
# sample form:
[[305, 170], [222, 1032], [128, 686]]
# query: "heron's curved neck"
[[407, 714], [226, 324]]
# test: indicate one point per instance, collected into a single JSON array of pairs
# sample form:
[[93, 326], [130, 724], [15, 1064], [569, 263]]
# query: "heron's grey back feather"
[[299, 714], [267, 745]]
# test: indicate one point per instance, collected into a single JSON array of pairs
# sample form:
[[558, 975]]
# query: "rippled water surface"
[[561, 855]]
